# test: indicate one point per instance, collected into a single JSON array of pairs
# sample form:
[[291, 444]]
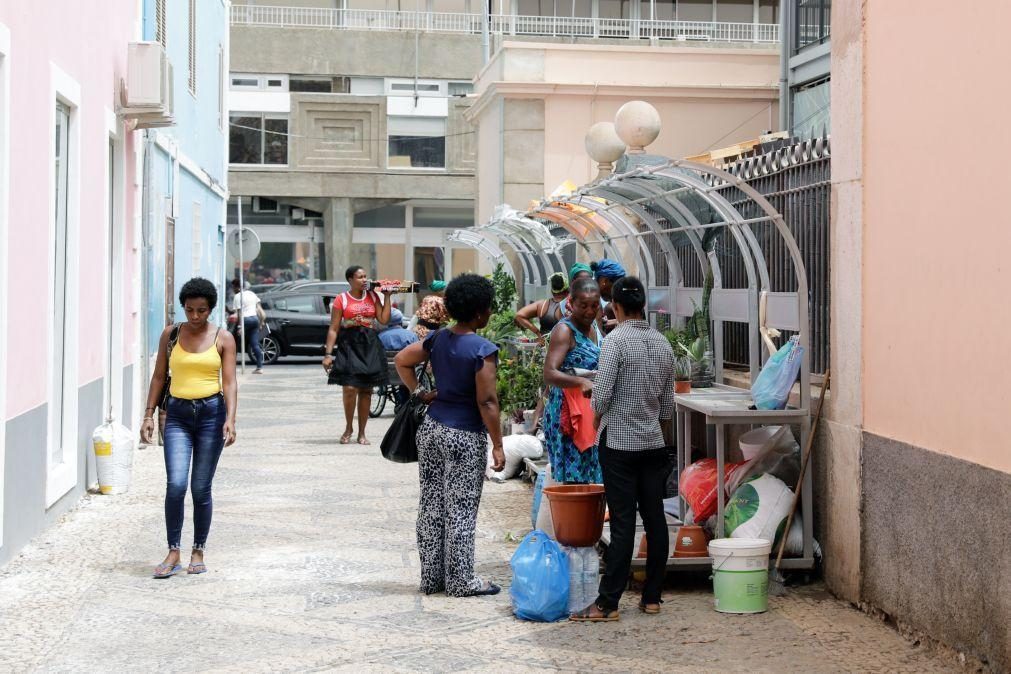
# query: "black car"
[[298, 318]]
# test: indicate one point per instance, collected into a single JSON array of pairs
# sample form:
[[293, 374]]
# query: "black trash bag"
[[400, 444]]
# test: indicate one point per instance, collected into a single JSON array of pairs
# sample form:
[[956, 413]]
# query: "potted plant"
[[682, 375], [698, 357]]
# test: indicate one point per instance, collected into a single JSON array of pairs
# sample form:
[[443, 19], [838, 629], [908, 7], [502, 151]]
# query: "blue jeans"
[[251, 326], [193, 431]]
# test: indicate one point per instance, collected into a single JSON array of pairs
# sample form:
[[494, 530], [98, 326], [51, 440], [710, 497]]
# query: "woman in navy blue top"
[[453, 440]]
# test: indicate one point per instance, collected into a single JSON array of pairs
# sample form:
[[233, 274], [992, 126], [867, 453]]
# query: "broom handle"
[[808, 446]]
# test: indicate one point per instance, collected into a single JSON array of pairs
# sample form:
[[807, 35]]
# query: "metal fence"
[[796, 179], [502, 24]]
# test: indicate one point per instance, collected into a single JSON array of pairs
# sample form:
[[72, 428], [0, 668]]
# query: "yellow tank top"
[[195, 375]]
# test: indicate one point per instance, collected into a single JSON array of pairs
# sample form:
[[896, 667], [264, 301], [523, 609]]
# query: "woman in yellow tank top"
[[197, 360]]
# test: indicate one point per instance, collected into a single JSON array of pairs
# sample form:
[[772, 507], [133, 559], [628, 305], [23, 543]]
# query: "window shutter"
[[159, 21], [193, 46]]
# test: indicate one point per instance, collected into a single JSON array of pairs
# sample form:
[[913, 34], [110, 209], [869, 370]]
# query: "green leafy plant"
[[678, 339], [519, 380], [505, 290], [500, 327], [696, 351], [682, 368]]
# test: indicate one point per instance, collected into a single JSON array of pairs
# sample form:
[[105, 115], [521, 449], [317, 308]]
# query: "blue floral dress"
[[568, 464]]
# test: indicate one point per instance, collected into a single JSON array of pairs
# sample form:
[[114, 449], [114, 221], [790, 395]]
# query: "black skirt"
[[359, 359]]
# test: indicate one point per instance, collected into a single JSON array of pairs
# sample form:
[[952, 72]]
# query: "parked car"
[[297, 319]]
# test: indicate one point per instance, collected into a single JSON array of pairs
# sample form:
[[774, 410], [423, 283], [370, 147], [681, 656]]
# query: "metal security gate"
[[797, 181]]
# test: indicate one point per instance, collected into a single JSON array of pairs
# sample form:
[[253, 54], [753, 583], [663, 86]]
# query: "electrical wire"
[[356, 140]]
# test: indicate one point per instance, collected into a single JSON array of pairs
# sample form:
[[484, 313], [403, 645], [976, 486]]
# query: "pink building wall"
[[89, 43], [936, 234]]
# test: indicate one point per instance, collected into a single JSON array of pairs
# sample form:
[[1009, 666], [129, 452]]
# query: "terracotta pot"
[[643, 548], [690, 542], [682, 386], [577, 513]]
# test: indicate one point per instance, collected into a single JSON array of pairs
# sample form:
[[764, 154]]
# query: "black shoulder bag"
[[400, 443]]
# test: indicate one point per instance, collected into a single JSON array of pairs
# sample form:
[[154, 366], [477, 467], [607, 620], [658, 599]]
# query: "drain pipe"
[[485, 33], [147, 217], [785, 44]]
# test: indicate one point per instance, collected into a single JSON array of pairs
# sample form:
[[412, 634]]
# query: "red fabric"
[[359, 311], [580, 414]]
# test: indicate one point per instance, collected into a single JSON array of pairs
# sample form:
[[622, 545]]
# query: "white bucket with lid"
[[740, 574]]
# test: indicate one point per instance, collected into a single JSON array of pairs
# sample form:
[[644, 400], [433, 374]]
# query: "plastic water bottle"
[[591, 571], [575, 579]]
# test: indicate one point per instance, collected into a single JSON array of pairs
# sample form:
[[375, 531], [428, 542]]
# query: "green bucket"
[[740, 574]]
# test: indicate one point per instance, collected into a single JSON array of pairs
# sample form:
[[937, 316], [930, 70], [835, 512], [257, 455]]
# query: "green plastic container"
[[740, 574]]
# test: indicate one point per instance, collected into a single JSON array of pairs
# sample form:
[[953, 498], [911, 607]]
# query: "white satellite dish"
[[250, 245]]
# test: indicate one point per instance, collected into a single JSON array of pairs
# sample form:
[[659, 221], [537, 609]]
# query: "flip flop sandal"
[[649, 609], [364, 441], [196, 569], [346, 439], [489, 589], [166, 571], [584, 616]]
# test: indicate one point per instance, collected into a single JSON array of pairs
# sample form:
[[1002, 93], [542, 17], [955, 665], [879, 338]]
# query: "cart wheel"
[[378, 402], [425, 381]]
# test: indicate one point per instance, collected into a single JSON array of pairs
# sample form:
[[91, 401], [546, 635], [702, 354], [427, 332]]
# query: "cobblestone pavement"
[[313, 567]]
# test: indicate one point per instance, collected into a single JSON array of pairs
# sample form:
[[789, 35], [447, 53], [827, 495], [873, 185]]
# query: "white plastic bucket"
[[740, 574], [113, 446], [754, 440]]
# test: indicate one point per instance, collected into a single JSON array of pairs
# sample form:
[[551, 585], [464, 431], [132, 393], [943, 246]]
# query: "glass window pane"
[[273, 264], [302, 304], [451, 218], [275, 146], [244, 138], [429, 265], [386, 216], [415, 152], [315, 85]]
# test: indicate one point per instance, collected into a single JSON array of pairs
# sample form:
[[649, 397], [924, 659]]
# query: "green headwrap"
[[437, 286], [579, 267]]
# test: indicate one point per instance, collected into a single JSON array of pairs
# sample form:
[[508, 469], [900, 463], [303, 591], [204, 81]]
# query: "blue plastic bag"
[[538, 492], [540, 588], [771, 389]]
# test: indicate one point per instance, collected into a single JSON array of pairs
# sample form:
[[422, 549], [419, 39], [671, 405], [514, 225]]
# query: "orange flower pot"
[[690, 541], [682, 386], [577, 513]]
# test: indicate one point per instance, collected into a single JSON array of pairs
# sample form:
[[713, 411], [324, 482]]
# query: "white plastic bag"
[[516, 448]]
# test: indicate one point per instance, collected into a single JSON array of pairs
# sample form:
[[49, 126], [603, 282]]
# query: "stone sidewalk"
[[313, 567]]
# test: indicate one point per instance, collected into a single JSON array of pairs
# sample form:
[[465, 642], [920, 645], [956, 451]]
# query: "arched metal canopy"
[[663, 215]]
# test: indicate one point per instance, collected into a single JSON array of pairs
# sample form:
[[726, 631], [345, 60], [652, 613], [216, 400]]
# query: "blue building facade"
[[185, 165]]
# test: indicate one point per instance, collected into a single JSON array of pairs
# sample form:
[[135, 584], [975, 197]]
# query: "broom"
[[777, 585]]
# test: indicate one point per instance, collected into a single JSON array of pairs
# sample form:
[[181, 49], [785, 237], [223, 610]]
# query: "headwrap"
[[608, 269], [579, 267], [437, 286], [558, 283], [396, 319]]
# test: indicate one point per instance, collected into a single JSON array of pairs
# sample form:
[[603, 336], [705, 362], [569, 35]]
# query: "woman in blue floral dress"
[[575, 344]]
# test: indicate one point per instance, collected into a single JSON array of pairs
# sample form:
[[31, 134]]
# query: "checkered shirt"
[[634, 386]]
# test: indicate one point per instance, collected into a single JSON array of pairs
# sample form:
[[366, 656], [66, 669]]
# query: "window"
[[323, 85], [417, 142], [461, 88], [221, 88], [409, 86], [275, 83], [159, 22], [404, 87], [193, 46], [246, 82], [813, 23], [300, 304], [258, 139], [60, 260], [264, 205]]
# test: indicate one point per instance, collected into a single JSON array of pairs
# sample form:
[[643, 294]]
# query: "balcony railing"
[[502, 24]]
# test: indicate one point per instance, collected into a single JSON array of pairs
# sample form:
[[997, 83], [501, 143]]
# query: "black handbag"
[[400, 444]]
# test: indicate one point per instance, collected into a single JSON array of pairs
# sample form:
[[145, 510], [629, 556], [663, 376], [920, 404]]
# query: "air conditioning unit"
[[146, 95]]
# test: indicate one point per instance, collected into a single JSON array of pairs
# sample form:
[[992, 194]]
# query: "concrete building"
[[806, 64], [185, 175], [916, 471], [350, 138], [536, 102], [69, 265]]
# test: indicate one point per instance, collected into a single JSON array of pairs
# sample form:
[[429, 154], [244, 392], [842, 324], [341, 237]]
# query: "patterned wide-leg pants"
[[451, 465]]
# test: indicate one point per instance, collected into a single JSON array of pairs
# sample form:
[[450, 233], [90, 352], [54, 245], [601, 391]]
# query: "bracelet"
[[148, 418]]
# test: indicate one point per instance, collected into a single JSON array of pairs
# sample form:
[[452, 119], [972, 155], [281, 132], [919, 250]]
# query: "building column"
[[338, 226]]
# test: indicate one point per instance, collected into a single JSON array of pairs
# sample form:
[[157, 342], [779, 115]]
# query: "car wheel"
[[378, 402], [271, 349]]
